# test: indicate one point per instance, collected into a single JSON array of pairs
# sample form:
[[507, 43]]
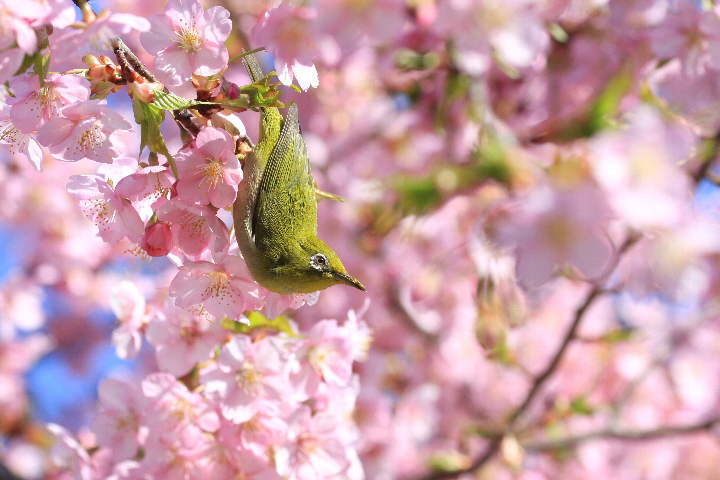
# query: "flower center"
[[101, 212], [219, 285], [249, 379], [195, 225], [89, 140], [212, 172], [189, 39], [321, 357]]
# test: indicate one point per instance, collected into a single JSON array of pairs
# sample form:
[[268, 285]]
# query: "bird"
[[275, 212]]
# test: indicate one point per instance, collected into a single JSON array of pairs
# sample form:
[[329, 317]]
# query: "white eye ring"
[[318, 261]]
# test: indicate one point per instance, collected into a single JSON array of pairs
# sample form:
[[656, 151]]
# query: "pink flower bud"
[[157, 241]]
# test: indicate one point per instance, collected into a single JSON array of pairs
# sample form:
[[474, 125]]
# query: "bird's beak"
[[348, 280]]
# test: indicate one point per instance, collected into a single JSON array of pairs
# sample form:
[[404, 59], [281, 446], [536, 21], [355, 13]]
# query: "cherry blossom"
[[128, 305], [312, 450], [184, 337], [157, 240], [287, 33], [188, 40], [193, 227], [248, 377], [120, 424], [115, 217], [224, 288], [25, 143], [209, 170], [149, 188], [33, 105], [96, 36], [86, 130]]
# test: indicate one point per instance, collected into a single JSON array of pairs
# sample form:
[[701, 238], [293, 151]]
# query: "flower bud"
[[157, 241], [143, 90]]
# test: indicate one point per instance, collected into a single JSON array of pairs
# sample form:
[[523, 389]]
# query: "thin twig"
[[619, 434]]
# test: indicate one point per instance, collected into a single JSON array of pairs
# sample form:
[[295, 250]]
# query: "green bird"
[[275, 212]]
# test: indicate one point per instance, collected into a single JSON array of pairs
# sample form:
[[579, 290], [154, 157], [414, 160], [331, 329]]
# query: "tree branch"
[[619, 434], [540, 379]]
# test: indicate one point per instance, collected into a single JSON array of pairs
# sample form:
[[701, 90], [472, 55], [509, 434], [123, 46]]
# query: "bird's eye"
[[318, 260]]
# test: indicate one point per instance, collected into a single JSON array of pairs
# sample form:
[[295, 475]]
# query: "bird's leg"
[[321, 194]]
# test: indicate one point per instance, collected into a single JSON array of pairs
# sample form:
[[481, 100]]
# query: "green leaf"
[[281, 323], [243, 101], [27, 62], [150, 117], [40, 67], [580, 405], [170, 101]]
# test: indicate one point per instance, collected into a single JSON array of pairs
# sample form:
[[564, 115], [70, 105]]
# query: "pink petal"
[[212, 142], [132, 222], [10, 61], [217, 25], [55, 131], [160, 36], [222, 195], [210, 59], [175, 64]]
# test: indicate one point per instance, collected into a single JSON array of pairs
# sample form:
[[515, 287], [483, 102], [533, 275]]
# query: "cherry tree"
[[530, 200]]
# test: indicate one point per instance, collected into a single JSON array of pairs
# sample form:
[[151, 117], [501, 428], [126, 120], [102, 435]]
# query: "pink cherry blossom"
[[96, 36], [86, 130], [148, 188], [10, 62], [229, 462], [174, 412], [184, 337], [209, 170], [554, 228], [16, 29], [19, 142], [287, 33], [33, 105], [690, 35], [312, 450], [326, 355], [248, 377], [59, 13], [265, 429], [276, 303], [194, 228], [187, 40], [68, 453], [224, 288], [120, 423], [128, 305], [115, 217]]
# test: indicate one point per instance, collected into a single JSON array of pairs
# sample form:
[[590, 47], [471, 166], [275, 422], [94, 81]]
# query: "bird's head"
[[314, 266]]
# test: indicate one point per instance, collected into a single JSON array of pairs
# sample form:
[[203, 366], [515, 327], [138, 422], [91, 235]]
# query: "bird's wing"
[[286, 202]]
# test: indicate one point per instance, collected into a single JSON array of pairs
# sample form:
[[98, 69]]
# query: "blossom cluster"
[[271, 406]]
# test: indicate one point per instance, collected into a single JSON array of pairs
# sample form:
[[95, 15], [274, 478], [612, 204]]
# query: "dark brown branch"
[[127, 57]]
